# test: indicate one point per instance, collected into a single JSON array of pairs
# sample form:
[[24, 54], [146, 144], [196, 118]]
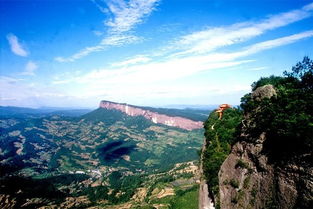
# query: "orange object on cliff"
[[221, 108]]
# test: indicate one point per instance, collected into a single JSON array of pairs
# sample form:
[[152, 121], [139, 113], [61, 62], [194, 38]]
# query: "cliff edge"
[[251, 177], [260, 155], [155, 117]]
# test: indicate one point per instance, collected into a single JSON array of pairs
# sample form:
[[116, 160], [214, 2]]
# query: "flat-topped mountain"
[[153, 115]]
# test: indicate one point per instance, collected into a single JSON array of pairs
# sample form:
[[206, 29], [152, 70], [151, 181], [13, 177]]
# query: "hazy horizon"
[[169, 106]]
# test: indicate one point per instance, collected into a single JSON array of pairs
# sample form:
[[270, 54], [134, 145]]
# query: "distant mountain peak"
[[155, 117]]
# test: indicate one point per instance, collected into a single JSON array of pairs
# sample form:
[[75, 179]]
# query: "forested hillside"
[[103, 158], [260, 155]]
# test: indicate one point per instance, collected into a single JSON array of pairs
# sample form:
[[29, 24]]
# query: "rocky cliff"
[[248, 178], [155, 117]]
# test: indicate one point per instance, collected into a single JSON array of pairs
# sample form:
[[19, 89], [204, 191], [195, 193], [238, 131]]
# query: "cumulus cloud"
[[16, 46]]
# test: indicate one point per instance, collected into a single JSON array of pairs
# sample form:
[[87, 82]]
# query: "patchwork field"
[[103, 158]]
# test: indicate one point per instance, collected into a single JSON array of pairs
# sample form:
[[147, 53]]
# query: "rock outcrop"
[[155, 117], [248, 180], [266, 91]]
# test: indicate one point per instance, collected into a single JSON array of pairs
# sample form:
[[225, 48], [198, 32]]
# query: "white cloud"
[[30, 68], [124, 17], [118, 40], [115, 40], [37, 95], [255, 48], [257, 68], [308, 7], [135, 60], [16, 47], [136, 79], [141, 78], [250, 50], [9, 79], [153, 72], [213, 38], [80, 54]]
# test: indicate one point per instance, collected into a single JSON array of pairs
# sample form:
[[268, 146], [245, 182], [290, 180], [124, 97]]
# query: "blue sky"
[[66, 53]]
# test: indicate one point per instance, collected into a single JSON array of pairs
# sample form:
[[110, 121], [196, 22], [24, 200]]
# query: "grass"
[[164, 200], [188, 200]]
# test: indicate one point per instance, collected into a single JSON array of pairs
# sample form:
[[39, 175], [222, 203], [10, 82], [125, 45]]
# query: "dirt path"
[[205, 201]]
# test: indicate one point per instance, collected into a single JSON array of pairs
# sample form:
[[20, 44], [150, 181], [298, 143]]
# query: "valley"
[[104, 158], [156, 104]]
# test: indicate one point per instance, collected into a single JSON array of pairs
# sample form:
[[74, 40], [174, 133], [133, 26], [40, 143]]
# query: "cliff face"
[[248, 179], [155, 117]]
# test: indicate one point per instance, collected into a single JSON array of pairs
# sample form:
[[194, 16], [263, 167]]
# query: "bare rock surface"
[[155, 117], [266, 91], [248, 180]]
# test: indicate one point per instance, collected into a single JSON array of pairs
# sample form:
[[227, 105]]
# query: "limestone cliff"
[[155, 117], [248, 179]]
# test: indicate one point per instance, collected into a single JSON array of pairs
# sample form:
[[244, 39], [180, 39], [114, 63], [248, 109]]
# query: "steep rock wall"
[[155, 117], [248, 180]]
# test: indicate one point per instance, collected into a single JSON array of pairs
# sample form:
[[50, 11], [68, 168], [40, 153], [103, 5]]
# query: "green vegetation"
[[183, 199], [187, 199], [253, 194], [286, 118], [96, 193], [239, 196], [220, 135], [246, 182], [241, 164], [101, 158], [22, 188], [234, 183]]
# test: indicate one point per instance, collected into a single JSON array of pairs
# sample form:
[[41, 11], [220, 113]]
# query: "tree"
[[287, 118]]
